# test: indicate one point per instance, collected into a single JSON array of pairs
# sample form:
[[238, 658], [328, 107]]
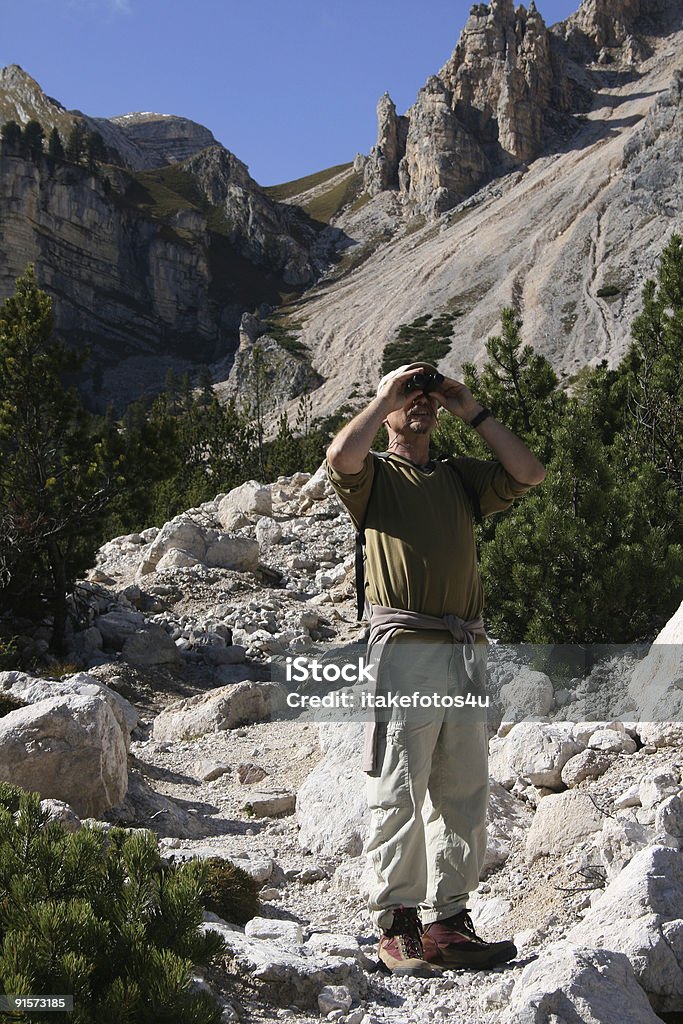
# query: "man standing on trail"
[[428, 773]]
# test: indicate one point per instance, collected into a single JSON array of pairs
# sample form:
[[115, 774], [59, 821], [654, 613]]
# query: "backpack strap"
[[475, 507]]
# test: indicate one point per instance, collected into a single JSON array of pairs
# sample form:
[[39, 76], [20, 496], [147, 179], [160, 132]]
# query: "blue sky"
[[290, 88]]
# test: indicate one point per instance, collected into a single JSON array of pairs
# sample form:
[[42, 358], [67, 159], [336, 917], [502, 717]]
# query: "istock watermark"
[[303, 670]]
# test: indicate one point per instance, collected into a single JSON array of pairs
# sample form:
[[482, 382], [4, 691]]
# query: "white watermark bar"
[[499, 682]]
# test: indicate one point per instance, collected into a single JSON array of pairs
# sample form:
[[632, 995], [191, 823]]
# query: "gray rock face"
[[492, 106], [381, 169], [69, 748], [283, 374], [149, 289], [604, 25], [261, 229], [641, 914]]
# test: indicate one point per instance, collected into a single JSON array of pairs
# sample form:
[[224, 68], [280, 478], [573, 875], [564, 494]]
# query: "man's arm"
[[349, 448], [509, 449]]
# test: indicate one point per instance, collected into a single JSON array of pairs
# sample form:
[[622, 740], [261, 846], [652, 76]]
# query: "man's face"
[[416, 416]]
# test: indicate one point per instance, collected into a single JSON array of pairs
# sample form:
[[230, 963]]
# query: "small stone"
[[334, 997], [207, 770], [309, 875], [629, 798], [250, 773], [270, 893], [266, 805]]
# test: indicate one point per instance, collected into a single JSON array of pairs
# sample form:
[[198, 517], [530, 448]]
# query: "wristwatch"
[[480, 417]]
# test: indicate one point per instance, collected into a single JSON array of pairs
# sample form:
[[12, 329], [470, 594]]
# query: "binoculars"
[[424, 382]]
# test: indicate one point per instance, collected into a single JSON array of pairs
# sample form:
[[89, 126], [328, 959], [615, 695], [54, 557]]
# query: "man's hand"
[[457, 398], [393, 394]]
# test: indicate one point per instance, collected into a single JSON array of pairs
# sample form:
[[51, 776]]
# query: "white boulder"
[[641, 914], [282, 977], [529, 694], [30, 690], [248, 500], [239, 553], [589, 764], [656, 685], [570, 983], [561, 822], [69, 748], [534, 751], [224, 708], [180, 533], [331, 806]]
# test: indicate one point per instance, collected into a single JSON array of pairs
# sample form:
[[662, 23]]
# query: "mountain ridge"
[[163, 264]]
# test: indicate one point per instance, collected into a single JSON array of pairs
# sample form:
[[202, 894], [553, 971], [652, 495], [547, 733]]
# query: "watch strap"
[[480, 417]]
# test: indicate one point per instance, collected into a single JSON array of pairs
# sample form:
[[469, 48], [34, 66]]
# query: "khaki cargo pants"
[[429, 793]]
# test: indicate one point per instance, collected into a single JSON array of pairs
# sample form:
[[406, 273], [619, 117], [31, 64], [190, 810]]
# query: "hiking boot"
[[453, 942], [400, 948]]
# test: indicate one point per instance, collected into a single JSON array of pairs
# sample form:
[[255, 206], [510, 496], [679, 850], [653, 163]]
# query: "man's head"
[[417, 415]]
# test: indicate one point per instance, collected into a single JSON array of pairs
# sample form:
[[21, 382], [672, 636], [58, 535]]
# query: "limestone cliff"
[[152, 268], [614, 30]]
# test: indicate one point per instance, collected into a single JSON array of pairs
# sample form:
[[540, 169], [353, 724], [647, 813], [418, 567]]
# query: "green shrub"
[[608, 292], [97, 915], [230, 891], [427, 338]]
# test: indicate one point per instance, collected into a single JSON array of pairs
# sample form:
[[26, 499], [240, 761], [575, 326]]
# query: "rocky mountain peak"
[[22, 99], [484, 112], [163, 138], [140, 141]]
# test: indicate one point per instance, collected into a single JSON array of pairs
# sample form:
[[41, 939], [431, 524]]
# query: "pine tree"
[[55, 149], [520, 388], [98, 915], [54, 482], [257, 388], [11, 136], [284, 455], [652, 368], [94, 149], [75, 144], [32, 139]]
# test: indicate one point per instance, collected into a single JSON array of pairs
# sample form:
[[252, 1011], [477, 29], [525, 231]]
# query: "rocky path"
[[584, 864]]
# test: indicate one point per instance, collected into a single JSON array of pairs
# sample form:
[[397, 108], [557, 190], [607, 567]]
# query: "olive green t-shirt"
[[420, 545]]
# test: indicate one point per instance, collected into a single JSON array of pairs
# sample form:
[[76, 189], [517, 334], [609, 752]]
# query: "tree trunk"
[[59, 607]]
